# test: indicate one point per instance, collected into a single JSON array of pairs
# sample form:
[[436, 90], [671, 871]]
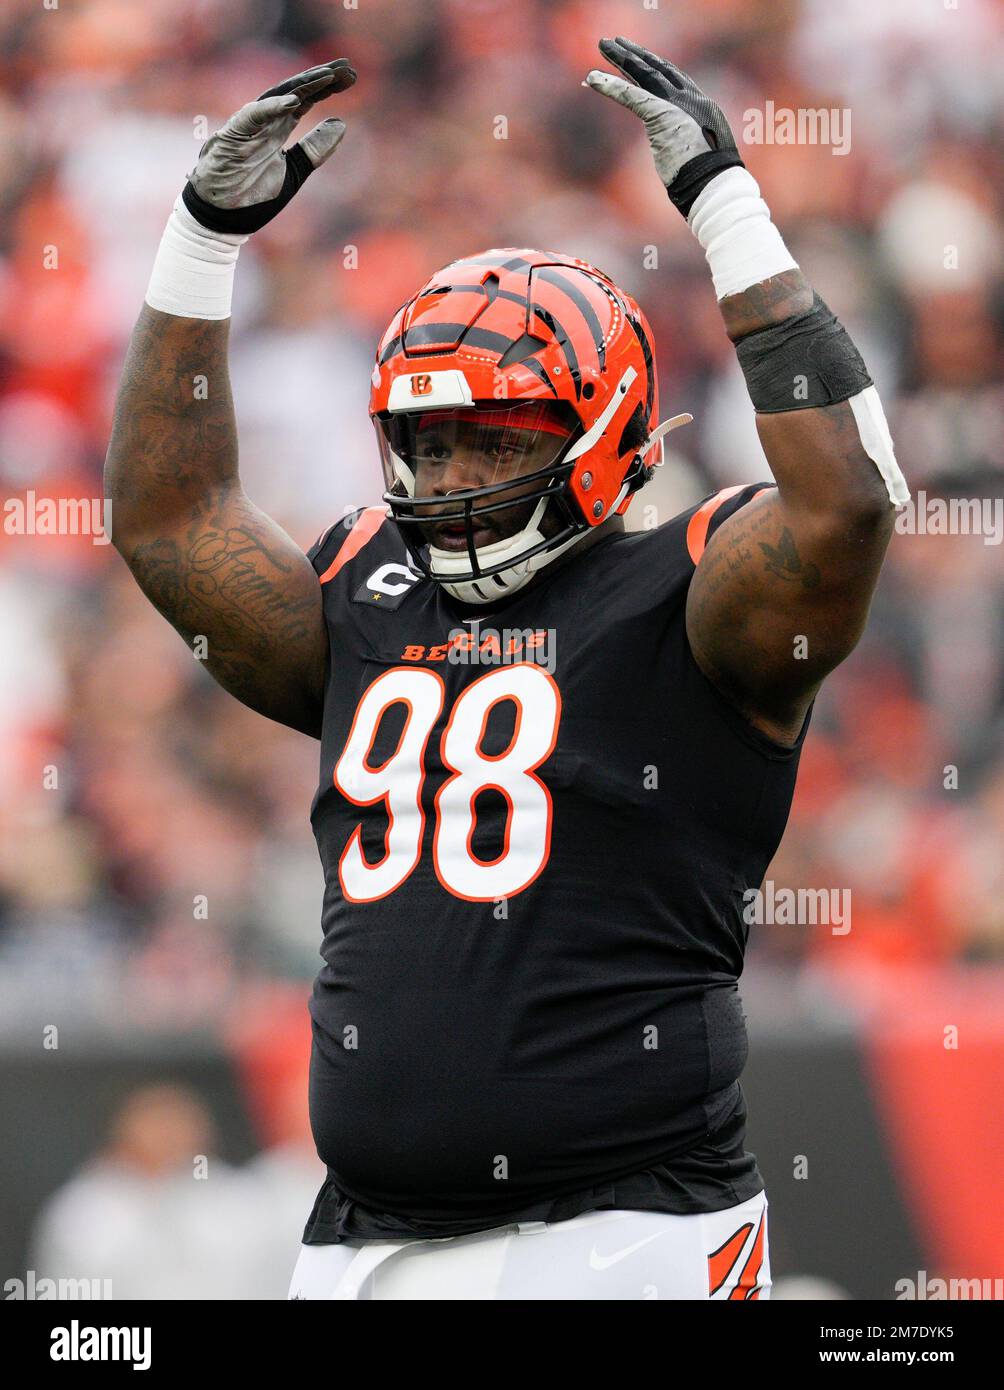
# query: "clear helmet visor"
[[463, 479]]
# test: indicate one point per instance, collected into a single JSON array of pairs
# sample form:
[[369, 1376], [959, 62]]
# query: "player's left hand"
[[683, 124]]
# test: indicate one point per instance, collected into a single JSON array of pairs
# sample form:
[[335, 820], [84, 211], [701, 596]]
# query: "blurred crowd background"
[[130, 786]]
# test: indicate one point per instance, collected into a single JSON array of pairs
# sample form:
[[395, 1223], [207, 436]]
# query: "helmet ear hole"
[[588, 391], [635, 432]]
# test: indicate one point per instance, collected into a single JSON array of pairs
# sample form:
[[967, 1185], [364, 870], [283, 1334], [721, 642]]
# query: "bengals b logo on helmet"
[[421, 385]]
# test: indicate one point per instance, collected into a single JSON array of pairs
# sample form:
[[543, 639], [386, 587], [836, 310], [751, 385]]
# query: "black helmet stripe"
[[422, 333], [392, 347], [540, 374], [646, 351], [474, 336], [553, 276], [477, 289], [564, 342]]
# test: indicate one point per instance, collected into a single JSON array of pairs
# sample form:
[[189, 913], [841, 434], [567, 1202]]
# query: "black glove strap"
[[246, 220], [697, 173]]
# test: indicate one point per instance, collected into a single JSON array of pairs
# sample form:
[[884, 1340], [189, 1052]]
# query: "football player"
[[554, 755]]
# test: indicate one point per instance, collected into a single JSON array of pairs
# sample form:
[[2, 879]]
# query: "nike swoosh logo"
[[598, 1261]]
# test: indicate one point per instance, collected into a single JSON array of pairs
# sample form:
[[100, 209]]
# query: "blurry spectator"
[[807, 1288], [286, 1178], [154, 1212]]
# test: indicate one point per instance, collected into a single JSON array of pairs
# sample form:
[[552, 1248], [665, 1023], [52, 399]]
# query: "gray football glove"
[[690, 138], [244, 177]]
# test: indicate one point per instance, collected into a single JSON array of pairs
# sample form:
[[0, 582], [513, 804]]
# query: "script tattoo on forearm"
[[230, 584], [236, 566], [215, 577]]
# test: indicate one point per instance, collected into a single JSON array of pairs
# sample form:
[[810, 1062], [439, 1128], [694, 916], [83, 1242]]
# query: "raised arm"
[[212, 563], [781, 594]]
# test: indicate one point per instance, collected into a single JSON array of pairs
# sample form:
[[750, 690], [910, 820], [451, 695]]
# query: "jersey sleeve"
[[704, 519], [343, 539]]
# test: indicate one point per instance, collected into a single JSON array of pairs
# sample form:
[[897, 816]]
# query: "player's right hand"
[[690, 138], [244, 177]]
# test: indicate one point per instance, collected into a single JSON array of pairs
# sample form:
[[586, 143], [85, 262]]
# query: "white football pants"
[[599, 1255]]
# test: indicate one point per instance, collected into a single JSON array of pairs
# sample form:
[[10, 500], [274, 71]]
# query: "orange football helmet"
[[533, 354]]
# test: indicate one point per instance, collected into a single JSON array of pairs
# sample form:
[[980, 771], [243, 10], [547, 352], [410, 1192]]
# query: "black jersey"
[[537, 821]]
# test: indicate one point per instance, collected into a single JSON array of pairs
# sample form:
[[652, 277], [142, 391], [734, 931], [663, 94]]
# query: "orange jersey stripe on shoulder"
[[697, 528], [365, 527]]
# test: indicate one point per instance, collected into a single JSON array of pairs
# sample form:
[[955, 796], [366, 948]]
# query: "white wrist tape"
[[732, 223], [193, 274], [876, 441]]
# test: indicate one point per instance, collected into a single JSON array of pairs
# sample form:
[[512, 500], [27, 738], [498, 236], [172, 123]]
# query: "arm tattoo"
[[770, 301], [784, 562], [174, 434], [206, 557], [799, 563], [212, 582]]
